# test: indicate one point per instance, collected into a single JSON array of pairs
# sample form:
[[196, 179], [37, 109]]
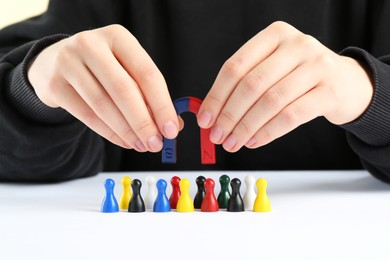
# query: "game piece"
[[109, 202], [224, 194], [250, 194], [126, 193], [235, 203], [210, 203], [207, 148], [162, 203], [175, 195], [262, 202], [185, 203], [200, 192], [136, 202], [151, 192]]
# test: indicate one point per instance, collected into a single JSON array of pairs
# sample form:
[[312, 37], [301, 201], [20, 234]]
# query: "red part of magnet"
[[194, 105]]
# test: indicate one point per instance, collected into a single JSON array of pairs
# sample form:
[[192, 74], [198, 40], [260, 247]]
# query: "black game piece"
[[200, 193], [136, 203], [235, 203]]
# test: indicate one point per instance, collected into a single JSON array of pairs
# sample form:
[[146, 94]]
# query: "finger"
[[151, 82], [290, 88], [75, 105], [124, 91], [244, 60], [253, 85], [303, 110], [90, 90]]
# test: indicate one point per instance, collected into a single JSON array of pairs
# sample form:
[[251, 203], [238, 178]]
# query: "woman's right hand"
[[106, 79]]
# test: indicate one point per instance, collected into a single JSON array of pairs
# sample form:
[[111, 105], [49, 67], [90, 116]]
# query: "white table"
[[315, 215]]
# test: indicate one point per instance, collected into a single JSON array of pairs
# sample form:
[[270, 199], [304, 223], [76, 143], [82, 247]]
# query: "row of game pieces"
[[180, 198]]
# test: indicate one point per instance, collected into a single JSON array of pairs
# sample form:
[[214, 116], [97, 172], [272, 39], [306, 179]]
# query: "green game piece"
[[224, 194]]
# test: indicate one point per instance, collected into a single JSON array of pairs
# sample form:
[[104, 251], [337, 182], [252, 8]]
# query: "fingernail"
[[140, 146], [170, 130], [155, 144], [251, 142], [216, 134], [204, 119], [127, 146], [230, 142]]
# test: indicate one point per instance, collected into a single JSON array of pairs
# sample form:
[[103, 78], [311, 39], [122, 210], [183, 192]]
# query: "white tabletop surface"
[[315, 215]]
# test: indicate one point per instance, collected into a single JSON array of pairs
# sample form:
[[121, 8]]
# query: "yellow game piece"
[[262, 203], [126, 194], [185, 203]]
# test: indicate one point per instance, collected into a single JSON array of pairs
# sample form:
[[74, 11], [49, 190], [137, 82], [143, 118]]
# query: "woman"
[[310, 92]]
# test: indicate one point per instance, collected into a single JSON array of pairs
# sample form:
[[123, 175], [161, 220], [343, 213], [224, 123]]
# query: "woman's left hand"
[[278, 80]]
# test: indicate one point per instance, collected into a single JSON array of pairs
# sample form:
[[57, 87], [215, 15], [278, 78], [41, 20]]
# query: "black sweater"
[[189, 41]]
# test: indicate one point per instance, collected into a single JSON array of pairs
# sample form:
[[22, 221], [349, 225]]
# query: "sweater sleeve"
[[21, 94], [38, 143], [369, 135]]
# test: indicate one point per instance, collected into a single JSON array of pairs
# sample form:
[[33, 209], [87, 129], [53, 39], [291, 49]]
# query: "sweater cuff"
[[21, 94], [373, 126]]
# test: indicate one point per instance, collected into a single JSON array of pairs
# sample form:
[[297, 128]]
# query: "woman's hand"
[[105, 78], [278, 80]]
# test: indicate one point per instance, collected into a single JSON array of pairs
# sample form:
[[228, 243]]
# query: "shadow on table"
[[365, 184]]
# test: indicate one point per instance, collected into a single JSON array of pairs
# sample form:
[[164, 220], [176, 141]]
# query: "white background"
[[12, 11]]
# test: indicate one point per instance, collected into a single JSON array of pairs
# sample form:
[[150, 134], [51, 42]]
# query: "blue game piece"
[[109, 202], [162, 202]]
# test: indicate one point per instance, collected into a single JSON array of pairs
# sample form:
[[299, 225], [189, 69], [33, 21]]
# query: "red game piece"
[[210, 203], [175, 195]]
